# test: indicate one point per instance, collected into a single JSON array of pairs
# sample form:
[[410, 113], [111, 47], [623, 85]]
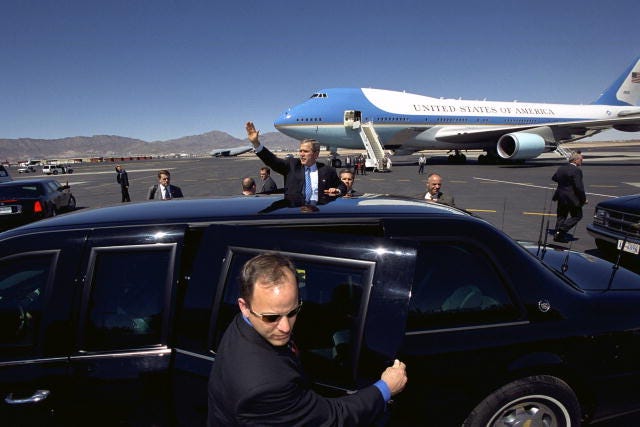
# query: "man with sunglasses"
[[257, 378]]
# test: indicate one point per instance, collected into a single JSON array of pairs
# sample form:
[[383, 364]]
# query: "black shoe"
[[560, 237]]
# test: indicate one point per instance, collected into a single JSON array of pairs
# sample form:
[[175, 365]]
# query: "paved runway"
[[514, 198]]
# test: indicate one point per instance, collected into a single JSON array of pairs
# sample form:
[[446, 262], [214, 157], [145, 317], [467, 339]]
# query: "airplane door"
[[351, 117]]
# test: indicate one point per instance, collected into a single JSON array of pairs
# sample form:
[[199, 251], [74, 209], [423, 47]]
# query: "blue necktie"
[[308, 192]]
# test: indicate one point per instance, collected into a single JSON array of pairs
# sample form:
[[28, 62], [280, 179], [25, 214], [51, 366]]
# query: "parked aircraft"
[[226, 152], [405, 122]]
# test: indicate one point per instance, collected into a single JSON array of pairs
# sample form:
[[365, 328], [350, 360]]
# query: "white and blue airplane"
[[406, 123]]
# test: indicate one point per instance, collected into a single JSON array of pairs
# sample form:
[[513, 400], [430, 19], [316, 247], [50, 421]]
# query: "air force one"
[[406, 122], [227, 152]]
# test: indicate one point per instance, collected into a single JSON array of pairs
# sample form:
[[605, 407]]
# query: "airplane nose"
[[283, 119]]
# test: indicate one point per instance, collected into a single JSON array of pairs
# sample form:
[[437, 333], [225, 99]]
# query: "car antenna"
[[616, 266], [546, 235], [565, 262], [542, 226]]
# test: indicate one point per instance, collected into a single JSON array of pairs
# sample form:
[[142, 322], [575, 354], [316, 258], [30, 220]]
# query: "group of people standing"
[[312, 180], [163, 190]]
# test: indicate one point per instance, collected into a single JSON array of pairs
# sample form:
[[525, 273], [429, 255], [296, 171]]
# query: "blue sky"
[[160, 69]]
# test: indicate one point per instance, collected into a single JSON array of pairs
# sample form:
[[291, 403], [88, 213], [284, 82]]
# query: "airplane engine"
[[627, 128], [520, 145]]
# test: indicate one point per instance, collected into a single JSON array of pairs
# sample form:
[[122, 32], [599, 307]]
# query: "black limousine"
[[113, 316]]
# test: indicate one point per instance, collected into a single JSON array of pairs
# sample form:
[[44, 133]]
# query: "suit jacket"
[[122, 178], [442, 198], [293, 172], [570, 189], [268, 186], [154, 192], [255, 383]]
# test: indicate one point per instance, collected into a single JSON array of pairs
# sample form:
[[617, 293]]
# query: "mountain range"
[[15, 150]]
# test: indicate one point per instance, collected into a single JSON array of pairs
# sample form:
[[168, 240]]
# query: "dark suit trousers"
[[567, 217]]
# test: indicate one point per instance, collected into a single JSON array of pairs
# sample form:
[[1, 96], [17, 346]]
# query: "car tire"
[[71, 206], [537, 400], [55, 172]]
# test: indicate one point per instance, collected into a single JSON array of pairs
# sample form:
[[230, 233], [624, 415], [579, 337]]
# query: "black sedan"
[[29, 200]]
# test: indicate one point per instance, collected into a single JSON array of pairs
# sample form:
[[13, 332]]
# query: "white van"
[[56, 169]]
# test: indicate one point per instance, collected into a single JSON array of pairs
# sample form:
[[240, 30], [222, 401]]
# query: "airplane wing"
[[562, 131]]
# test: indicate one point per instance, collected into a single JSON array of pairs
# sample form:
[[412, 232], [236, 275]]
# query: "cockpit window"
[[319, 95]]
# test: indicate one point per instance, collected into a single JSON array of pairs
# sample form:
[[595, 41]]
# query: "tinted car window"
[[30, 190], [4, 174], [457, 285], [53, 186], [333, 293], [23, 283], [126, 302]]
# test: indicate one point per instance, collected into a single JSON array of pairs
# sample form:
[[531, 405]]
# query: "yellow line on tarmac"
[[481, 210], [538, 213]]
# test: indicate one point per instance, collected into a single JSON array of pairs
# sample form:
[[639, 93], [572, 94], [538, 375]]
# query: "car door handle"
[[34, 398]]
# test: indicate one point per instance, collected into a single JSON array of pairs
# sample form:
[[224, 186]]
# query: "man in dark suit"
[[123, 179], [347, 177], [570, 196], [267, 185], [303, 175], [257, 377], [434, 193], [163, 190], [248, 186]]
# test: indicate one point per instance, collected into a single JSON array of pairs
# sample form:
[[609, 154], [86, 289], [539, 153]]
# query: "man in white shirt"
[[303, 176], [163, 190]]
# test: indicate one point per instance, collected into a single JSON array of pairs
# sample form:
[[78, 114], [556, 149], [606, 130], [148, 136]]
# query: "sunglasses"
[[273, 318]]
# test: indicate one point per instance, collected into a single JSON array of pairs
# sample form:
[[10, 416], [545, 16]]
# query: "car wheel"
[[72, 204], [55, 172], [535, 401]]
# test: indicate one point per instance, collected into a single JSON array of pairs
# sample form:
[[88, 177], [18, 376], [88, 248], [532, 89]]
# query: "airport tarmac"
[[515, 198]]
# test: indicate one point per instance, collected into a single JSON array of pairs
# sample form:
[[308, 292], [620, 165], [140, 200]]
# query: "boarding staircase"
[[374, 148], [564, 151]]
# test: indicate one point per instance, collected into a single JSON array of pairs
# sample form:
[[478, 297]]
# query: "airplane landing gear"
[[457, 158], [334, 159], [490, 158]]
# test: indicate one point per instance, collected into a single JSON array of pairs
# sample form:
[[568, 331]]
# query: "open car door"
[[355, 290]]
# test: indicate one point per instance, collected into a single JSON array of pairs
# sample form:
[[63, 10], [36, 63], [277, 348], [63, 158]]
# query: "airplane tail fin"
[[625, 90]]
